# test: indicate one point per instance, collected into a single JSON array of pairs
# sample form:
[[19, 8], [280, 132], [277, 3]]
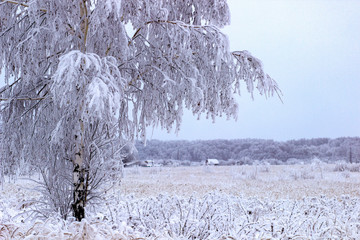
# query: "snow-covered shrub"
[[252, 175], [340, 166], [55, 228], [189, 218], [318, 166], [344, 166], [264, 167], [355, 167], [237, 172], [302, 174], [57, 191]]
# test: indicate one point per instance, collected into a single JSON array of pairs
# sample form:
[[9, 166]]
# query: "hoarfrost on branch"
[[78, 84]]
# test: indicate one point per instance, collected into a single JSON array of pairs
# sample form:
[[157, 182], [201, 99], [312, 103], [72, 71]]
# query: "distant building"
[[149, 163], [211, 162]]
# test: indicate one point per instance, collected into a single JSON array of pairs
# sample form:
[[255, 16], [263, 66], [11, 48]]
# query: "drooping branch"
[[250, 69]]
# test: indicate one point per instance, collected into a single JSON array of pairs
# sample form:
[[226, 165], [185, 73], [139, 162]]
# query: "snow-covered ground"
[[235, 202], [264, 181]]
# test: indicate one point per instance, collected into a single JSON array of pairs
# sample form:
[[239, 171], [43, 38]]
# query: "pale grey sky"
[[312, 49]]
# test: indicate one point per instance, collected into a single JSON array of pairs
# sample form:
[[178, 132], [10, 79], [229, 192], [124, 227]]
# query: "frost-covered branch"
[[14, 2], [22, 99], [250, 69], [18, 3], [80, 86]]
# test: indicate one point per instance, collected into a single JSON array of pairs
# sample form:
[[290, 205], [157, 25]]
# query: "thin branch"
[[134, 36], [40, 100], [108, 49], [22, 99], [9, 86], [14, 2], [21, 4], [42, 89], [178, 23], [7, 30]]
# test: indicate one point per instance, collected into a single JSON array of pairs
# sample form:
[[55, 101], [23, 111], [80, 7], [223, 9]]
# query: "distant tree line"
[[245, 150]]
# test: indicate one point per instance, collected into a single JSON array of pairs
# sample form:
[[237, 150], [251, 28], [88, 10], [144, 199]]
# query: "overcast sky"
[[312, 49]]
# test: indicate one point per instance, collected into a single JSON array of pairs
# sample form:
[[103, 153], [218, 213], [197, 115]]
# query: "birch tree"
[[84, 77]]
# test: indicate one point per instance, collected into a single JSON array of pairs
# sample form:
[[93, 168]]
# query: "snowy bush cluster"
[[343, 166], [214, 216]]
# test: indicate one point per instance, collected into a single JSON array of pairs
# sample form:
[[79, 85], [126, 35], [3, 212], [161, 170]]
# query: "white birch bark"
[[79, 170]]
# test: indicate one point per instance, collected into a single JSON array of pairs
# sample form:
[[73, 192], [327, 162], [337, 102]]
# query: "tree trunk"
[[79, 191], [79, 170]]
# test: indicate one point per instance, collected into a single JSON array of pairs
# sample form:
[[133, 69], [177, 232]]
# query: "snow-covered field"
[[234, 202]]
